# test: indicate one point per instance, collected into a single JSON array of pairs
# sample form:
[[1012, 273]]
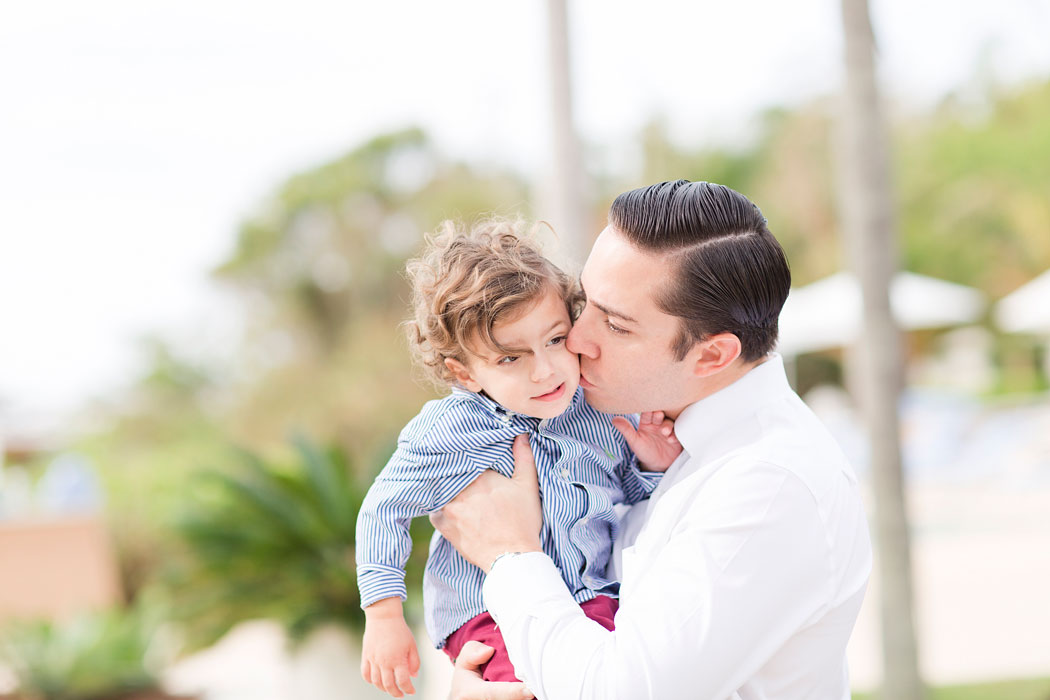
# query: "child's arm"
[[435, 459], [653, 442], [404, 489], [383, 540], [389, 657]]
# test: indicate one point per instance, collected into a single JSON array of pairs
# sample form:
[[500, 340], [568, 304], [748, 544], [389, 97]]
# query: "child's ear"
[[462, 374]]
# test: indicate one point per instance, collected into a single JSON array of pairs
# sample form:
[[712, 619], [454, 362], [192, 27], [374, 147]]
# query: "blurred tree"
[[878, 371], [974, 186], [145, 444], [566, 191]]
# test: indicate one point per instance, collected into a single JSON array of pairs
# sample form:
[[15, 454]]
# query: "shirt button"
[[565, 473]]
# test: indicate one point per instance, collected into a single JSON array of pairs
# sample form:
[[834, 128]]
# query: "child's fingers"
[[667, 427], [658, 417], [623, 425], [413, 662], [403, 681], [366, 670], [389, 684], [375, 676]]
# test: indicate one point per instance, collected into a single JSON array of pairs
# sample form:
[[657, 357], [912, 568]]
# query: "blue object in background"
[[69, 485]]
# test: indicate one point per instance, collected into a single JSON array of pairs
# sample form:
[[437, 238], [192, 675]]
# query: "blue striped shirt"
[[584, 468]]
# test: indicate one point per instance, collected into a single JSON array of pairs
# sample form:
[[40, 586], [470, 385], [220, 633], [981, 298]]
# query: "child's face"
[[541, 376]]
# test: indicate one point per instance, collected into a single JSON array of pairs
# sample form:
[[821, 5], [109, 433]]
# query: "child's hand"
[[389, 656], [654, 442]]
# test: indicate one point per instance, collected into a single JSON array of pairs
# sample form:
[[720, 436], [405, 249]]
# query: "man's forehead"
[[621, 276]]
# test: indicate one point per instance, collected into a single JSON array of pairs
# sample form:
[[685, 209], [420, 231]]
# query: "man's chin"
[[602, 403]]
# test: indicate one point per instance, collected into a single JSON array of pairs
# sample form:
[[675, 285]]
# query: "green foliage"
[[166, 427], [331, 242], [1034, 689], [91, 657], [973, 192], [275, 540]]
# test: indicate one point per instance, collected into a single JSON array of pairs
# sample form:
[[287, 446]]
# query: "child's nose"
[[541, 368]]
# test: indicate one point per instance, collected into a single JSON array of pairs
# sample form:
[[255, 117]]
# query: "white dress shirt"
[[741, 578]]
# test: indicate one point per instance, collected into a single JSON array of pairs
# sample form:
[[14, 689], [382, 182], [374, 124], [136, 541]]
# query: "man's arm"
[[745, 568]]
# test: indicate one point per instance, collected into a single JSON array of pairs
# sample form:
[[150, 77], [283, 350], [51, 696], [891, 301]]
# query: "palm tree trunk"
[[566, 191], [868, 225]]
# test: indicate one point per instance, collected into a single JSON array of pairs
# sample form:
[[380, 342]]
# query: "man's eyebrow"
[[605, 309], [612, 312]]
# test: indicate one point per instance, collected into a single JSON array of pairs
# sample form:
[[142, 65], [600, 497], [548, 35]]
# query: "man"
[[743, 575]]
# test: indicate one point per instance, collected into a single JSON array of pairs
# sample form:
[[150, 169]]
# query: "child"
[[491, 318]]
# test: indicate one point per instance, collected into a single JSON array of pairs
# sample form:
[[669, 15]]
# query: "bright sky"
[[135, 135]]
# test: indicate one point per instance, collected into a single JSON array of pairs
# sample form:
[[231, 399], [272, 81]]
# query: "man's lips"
[[552, 395]]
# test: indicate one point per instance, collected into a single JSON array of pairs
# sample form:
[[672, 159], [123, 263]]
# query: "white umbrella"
[[827, 313], [1027, 308]]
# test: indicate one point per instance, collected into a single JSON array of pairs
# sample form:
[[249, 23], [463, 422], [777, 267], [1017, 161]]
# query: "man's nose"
[[578, 340]]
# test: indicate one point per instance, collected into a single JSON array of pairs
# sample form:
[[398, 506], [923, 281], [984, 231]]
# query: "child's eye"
[[508, 360], [557, 340], [615, 329]]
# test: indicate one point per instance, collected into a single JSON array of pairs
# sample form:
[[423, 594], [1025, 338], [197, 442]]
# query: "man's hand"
[[388, 655], [654, 443], [495, 514], [466, 679]]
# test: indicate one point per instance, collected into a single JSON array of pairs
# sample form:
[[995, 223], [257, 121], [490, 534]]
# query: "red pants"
[[483, 629]]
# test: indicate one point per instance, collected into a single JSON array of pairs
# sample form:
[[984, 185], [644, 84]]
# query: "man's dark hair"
[[730, 274]]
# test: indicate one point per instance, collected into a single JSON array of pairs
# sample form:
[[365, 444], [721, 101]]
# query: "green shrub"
[[273, 539], [94, 656]]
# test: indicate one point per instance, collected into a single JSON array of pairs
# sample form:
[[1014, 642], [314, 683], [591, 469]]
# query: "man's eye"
[[615, 329], [557, 340], [508, 360]]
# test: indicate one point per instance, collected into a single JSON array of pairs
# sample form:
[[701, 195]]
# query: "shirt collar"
[[713, 423], [507, 416]]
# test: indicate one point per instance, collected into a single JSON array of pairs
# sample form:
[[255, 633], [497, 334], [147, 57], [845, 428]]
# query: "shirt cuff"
[[649, 479], [378, 581], [518, 586]]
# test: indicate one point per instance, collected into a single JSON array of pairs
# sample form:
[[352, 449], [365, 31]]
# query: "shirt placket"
[[576, 535]]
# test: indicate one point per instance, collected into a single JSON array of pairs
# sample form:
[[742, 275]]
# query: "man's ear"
[[714, 354], [462, 374]]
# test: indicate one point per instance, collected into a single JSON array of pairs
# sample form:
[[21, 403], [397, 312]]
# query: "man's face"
[[623, 339]]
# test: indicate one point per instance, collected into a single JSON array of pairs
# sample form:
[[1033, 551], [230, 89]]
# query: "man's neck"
[[714, 383]]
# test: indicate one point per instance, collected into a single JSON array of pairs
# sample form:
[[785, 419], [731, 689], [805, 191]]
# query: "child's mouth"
[[552, 395]]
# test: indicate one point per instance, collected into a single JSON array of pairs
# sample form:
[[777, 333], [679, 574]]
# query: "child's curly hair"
[[466, 281]]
